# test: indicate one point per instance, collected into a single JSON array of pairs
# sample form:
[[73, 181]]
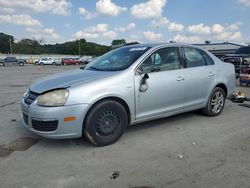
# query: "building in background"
[[220, 49]]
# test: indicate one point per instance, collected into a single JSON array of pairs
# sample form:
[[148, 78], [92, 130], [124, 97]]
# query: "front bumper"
[[38, 120]]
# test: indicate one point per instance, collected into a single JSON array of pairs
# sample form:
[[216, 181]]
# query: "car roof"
[[155, 45]]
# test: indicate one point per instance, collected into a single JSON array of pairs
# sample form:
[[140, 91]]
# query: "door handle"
[[180, 79], [211, 74]]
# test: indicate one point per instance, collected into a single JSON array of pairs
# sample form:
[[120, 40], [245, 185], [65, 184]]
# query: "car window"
[[193, 57], [208, 59], [162, 60]]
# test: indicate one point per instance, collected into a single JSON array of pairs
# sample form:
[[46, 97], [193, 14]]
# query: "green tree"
[[5, 41], [27, 46], [118, 42], [32, 46]]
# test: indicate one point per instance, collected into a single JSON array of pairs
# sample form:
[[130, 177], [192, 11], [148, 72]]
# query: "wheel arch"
[[224, 87], [111, 98]]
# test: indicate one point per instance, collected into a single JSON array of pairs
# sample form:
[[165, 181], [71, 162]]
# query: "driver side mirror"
[[144, 78], [144, 85]]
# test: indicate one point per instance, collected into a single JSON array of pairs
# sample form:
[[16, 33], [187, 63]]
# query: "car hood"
[[68, 79]]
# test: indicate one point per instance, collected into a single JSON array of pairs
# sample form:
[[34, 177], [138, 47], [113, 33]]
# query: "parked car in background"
[[240, 59], [71, 61], [87, 61], [8, 61], [48, 61], [125, 86]]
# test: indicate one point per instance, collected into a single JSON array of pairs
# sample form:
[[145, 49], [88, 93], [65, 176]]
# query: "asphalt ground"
[[187, 150]]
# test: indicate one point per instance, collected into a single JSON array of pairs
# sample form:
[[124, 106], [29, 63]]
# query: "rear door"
[[199, 76], [163, 91]]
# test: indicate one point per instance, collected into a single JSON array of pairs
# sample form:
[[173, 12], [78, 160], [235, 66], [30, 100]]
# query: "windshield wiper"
[[94, 68]]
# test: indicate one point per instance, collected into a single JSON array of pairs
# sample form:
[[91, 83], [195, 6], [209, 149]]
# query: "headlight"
[[53, 98], [25, 95]]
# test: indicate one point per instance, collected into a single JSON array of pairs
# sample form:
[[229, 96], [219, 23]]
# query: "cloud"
[[85, 35], [47, 35], [135, 37], [110, 34], [127, 28], [175, 27], [234, 26], [217, 28], [107, 7], [245, 2], [60, 7], [86, 14], [99, 28], [20, 19], [229, 36], [151, 36], [149, 9], [162, 21], [7, 10], [82, 11], [96, 32], [199, 29], [187, 39]]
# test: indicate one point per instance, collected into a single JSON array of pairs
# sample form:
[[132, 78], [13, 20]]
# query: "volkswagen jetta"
[[126, 86]]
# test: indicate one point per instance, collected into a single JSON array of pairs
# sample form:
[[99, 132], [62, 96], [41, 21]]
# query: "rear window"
[[208, 59], [193, 57]]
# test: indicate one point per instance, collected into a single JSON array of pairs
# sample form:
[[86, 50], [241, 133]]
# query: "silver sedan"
[[132, 84]]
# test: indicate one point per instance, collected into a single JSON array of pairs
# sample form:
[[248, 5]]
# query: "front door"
[[163, 91]]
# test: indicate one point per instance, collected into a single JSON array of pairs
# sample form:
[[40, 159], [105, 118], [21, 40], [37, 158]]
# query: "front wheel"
[[215, 103], [105, 123], [2, 64], [21, 64]]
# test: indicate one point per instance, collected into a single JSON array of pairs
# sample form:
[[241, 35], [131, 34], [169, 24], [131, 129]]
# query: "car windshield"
[[243, 50], [118, 59]]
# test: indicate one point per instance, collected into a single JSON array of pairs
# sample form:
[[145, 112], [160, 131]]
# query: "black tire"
[[54, 63], [105, 123], [42, 63], [215, 103], [21, 64], [2, 64]]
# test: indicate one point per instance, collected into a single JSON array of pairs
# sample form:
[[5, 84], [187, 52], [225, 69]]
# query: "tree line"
[[32, 46]]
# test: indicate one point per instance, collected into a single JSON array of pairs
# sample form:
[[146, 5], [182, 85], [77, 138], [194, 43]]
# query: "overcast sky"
[[101, 21]]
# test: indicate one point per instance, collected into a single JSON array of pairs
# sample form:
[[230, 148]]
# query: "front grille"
[[25, 119], [31, 96], [45, 126]]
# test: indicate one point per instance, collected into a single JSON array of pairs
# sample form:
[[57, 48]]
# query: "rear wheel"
[[2, 64], [21, 64], [54, 63], [42, 63], [215, 103], [105, 123]]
